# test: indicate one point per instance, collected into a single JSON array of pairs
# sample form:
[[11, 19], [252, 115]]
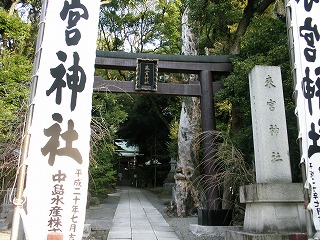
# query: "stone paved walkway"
[[137, 219]]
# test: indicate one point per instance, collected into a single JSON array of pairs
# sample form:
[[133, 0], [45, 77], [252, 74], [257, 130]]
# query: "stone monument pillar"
[[274, 205], [271, 150]]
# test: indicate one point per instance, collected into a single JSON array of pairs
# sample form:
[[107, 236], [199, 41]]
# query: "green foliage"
[[168, 21], [144, 26], [265, 43], [15, 74], [258, 48], [13, 32], [141, 26], [215, 22], [5, 4], [102, 170], [266, 36], [222, 113], [108, 110], [107, 114]]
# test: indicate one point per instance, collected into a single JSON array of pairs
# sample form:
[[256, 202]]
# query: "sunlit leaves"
[[263, 35], [216, 20], [141, 26], [13, 32]]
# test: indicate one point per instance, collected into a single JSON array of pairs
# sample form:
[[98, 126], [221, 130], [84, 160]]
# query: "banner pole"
[[309, 227], [21, 172]]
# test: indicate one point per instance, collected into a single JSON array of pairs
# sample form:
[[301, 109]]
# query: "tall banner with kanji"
[[305, 23], [58, 155]]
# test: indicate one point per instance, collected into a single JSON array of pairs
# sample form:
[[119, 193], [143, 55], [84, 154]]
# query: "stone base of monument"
[[273, 207], [273, 211], [215, 232]]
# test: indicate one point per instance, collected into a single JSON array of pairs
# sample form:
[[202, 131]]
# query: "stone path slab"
[[137, 219]]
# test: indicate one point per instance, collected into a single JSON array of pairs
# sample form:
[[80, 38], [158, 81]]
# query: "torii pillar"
[[208, 125]]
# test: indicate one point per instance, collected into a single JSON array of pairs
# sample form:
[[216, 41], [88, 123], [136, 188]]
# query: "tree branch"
[[248, 13]]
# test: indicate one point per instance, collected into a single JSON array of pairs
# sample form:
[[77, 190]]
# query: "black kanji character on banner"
[[52, 146], [69, 137], [314, 136], [310, 34], [58, 189], [57, 200], [76, 81], [74, 218], [73, 227], [56, 211], [72, 236], [78, 172], [59, 177], [77, 183], [308, 89], [308, 4], [73, 35], [76, 199], [55, 223], [75, 209], [58, 74]]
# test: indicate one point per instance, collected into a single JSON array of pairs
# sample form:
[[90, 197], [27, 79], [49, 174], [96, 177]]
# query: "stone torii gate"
[[205, 66]]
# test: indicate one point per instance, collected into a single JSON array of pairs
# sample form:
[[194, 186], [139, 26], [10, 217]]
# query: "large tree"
[[189, 128], [221, 27]]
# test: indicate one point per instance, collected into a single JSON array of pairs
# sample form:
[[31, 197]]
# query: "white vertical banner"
[[306, 28], [58, 156]]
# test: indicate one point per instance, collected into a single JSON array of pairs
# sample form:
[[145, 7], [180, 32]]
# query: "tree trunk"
[[189, 128], [253, 7]]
